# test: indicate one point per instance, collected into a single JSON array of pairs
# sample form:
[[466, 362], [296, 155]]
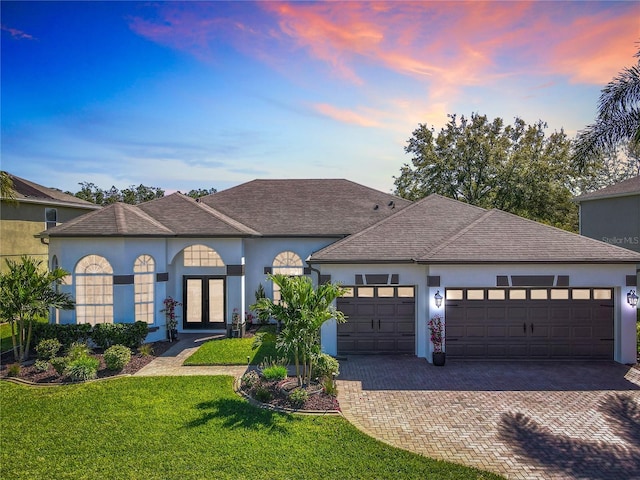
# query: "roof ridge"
[[330, 248], [462, 231], [141, 214], [232, 222]]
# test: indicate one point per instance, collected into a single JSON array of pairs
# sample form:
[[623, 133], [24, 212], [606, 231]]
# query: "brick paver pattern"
[[521, 420]]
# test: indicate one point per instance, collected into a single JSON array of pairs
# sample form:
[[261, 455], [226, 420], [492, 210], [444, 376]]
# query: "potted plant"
[[172, 319], [437, 328]]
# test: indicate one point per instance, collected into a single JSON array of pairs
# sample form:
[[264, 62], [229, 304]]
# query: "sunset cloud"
[[346, 116]]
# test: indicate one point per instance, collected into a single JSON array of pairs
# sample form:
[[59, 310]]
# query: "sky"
[[200, 94]]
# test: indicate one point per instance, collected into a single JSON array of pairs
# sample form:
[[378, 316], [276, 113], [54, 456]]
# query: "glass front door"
[[204, 302]]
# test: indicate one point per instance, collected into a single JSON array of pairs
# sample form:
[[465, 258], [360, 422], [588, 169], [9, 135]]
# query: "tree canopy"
[[617, 121], [132, 195], [516, 168]]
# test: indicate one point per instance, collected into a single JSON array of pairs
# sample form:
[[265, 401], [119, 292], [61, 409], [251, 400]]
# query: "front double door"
[[204, 302]]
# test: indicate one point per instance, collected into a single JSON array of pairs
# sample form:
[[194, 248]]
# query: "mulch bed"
[[318, 400], [28, 372]]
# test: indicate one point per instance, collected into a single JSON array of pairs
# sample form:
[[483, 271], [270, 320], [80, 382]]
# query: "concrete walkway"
[[538, 421], [170, 362]]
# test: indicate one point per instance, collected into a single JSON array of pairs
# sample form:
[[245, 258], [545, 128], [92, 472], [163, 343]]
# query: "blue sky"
[[183, 95]]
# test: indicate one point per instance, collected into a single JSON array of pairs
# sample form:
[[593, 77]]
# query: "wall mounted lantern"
[[632, 298], [438, 299]]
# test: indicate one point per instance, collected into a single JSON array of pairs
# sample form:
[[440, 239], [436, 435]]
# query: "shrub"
[[249, 379], [130, 335], [83, 368], [146, 350], [117, 357], [41, 365], [298, 397], [13, 370], [263, 394], [59, 364], [326, 366], [66, 334], [78, 350], [48, 348], [329, 386], [275, 372]]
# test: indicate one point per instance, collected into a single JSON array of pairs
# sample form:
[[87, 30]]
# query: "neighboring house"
[[513, 288], [612, 214], [35, 208]]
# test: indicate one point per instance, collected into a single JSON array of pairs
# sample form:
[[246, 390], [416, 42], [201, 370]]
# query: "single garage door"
[[531, 323], [381, 319]]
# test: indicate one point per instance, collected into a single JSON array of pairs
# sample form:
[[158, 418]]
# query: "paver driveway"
[[522, 420]]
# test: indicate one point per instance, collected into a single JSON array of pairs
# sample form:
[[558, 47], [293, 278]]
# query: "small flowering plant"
[[170, 312], [436, 327], [248, 317]]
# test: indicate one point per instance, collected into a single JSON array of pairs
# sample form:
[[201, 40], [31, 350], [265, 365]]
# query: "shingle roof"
[[174, 215], [630, 186], [30, 191], [312, 207], [184, 216], [441, 230], [118, 219]]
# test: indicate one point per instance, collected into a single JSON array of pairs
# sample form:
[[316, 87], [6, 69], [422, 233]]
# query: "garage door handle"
[[524, 327], [372, 324], [378, 324], [606, 339], [532, 328]]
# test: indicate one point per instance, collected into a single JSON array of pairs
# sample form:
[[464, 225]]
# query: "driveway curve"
[[522, 420]]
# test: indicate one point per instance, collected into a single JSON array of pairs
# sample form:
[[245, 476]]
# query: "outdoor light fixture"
[[438, 299], [632, 298]]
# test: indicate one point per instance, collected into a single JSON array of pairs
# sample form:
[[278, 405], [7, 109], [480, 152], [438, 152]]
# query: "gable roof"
[[311, 207], [631, 186], [118, 219], [174, 215], [30, 192], [441, 230]]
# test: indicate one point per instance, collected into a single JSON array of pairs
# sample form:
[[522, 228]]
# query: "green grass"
[[187, 428], [234, 351], [5, 336]]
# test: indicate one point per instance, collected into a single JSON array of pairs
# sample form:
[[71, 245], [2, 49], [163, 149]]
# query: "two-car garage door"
[[532, 323]]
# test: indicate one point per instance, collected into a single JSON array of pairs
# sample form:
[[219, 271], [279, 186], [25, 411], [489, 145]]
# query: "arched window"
[[94, 290], [144, 281], [202, 256], [286, 263]]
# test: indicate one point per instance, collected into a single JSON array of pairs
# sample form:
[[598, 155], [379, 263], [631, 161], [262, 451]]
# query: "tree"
[[516, 168], [26, 293], [132, 195], [302, 310], [7, 191], [618, 118], [201, 192]]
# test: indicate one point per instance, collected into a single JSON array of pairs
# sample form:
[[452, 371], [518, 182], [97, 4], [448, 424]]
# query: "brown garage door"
[[381, 319], [534, 323]]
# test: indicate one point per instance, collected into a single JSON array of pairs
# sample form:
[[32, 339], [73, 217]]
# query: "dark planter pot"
[[172, 334], [439, 359]]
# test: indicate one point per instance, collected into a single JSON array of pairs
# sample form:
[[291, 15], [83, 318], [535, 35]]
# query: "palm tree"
[[7, 191], [618, 119], [302, 310]]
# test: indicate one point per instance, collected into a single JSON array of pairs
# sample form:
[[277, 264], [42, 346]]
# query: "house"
[[35, 207], [512, 288], [612, 214]]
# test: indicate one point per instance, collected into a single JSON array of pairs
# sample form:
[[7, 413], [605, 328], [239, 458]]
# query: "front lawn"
[[234, 351], [186, 428]]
